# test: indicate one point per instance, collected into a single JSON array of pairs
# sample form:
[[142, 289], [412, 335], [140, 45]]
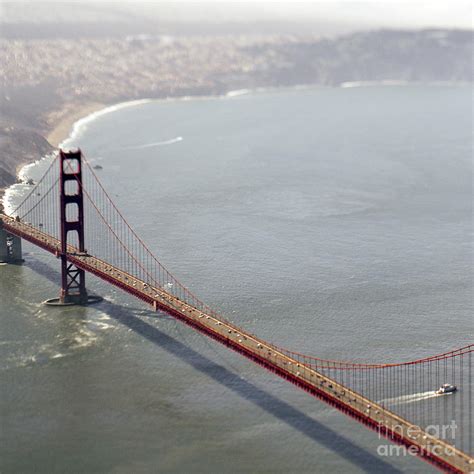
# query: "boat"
[[446, 388]]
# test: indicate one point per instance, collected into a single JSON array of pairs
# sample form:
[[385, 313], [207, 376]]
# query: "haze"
[[333, 17]]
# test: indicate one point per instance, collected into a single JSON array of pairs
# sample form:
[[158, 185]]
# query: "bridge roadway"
[[265, 354]]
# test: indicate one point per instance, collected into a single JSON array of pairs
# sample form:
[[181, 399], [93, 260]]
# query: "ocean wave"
[[399, 82], [41, 355], [80, 126], [84, 338], [102, 326], [98, 322], [13, 195], [104, 317], [387, 82], [58, 355], [25, 173]]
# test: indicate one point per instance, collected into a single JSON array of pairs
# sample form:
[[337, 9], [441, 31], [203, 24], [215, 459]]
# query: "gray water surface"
[[335, 222]]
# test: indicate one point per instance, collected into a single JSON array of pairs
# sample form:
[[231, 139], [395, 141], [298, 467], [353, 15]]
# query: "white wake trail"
[[151, 145], [411, 398]]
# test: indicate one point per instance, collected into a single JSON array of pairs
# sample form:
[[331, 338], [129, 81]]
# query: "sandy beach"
[[62, 121], [59, 126]]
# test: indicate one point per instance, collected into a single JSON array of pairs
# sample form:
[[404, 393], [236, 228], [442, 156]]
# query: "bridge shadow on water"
[[283, 411]]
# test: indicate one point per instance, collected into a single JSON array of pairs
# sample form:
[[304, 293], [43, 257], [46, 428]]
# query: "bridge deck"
[[364, 410]]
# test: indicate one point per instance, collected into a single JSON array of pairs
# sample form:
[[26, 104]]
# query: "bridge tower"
[[10, 247], [73, 285]]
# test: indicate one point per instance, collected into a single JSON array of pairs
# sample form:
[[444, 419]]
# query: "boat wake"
[[154, 144], [237, 92], [411, 398]]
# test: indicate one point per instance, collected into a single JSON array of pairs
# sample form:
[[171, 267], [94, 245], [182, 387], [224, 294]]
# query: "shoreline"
[[65, 122], [62, 121]]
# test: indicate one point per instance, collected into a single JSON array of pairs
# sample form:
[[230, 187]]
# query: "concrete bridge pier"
[[10, 247]]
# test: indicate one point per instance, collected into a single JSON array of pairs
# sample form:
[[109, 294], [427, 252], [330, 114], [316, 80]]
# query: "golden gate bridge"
[[69, 206]]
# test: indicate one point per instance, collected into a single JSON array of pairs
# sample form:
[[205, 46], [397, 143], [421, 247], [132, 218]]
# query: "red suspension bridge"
[[390, 398]]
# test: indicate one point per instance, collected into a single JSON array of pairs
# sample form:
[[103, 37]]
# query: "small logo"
[[420, 439]]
